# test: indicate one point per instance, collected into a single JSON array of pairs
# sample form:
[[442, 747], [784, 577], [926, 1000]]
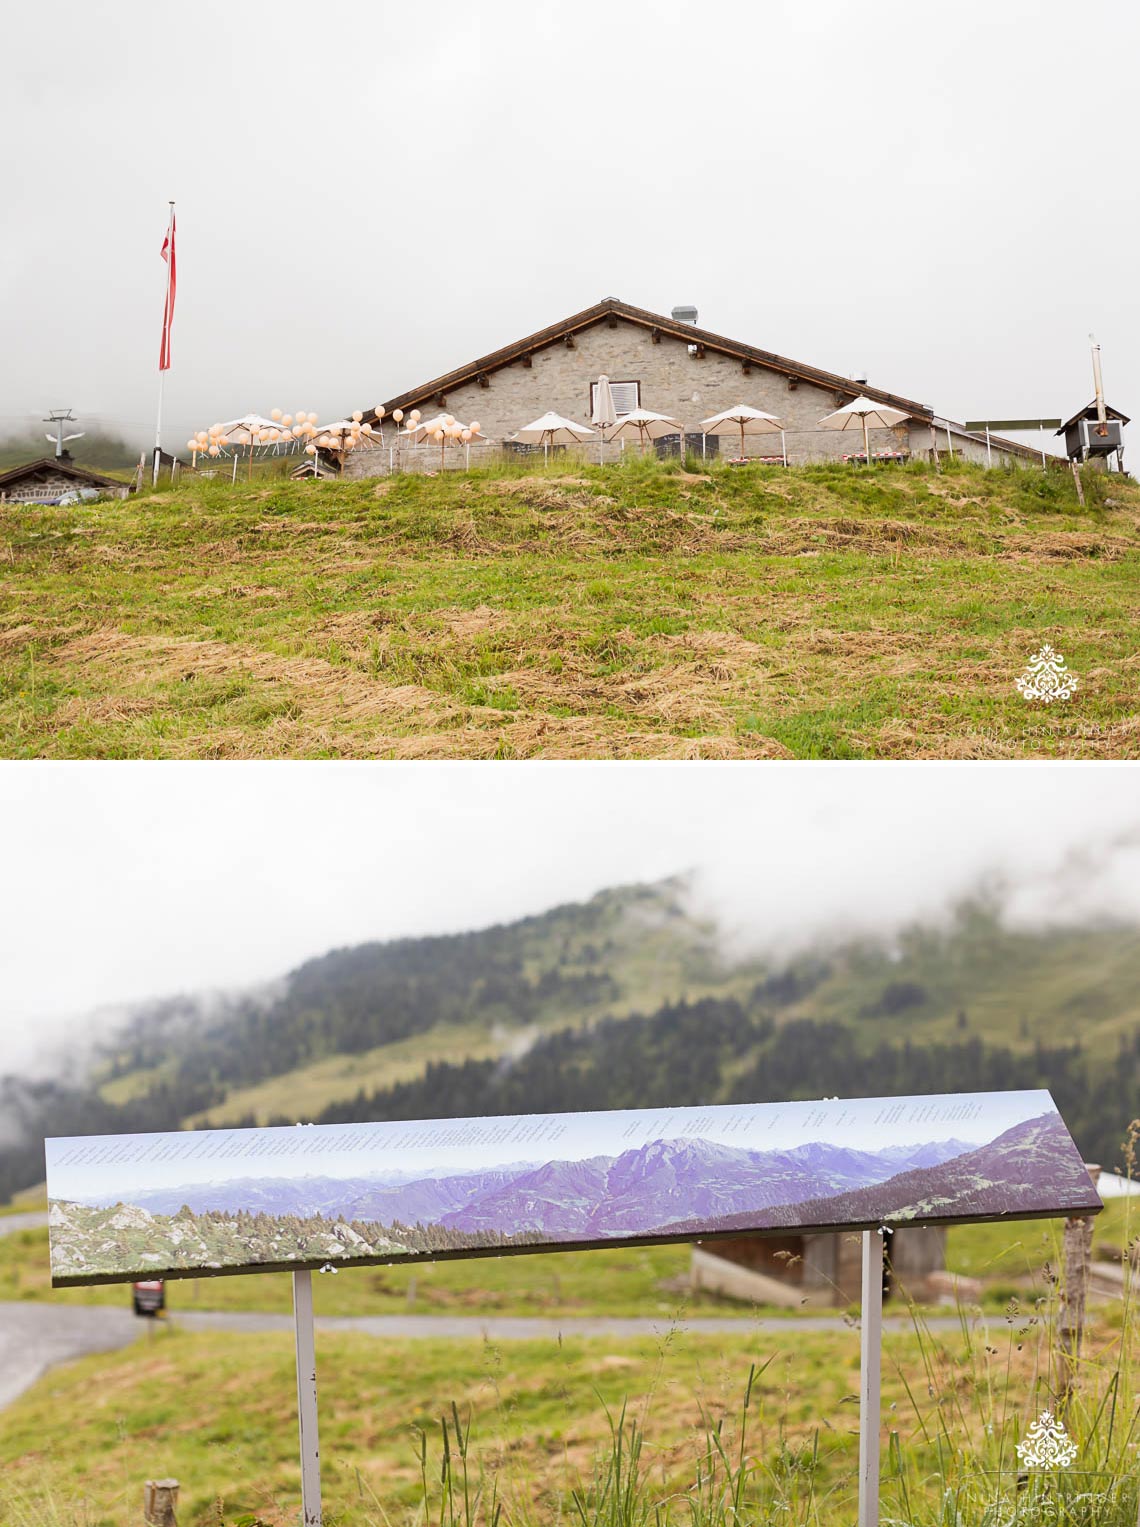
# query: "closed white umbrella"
[[604, 416], [552, 429], [749, 421], [645, 425], [869, 415]]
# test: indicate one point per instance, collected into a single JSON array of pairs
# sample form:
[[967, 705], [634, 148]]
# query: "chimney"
[[684, 315]]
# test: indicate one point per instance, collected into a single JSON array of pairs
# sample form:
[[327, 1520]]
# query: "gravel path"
[[34, 1336], [32, 1220]]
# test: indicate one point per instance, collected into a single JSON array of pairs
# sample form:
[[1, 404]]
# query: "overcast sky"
[[939, 197], [123, 881]]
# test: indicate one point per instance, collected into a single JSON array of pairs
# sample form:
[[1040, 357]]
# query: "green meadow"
[[635, 610], [676, 1428]]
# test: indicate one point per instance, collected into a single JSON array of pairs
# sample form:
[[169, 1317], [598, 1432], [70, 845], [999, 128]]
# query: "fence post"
[[1077, 1244], [870, 1375], [160, 1496]]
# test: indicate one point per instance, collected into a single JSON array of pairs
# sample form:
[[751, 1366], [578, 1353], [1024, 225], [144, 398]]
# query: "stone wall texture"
[[674, 381]]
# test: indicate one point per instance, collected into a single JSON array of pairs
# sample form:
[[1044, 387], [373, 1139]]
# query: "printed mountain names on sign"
[[210, 1202]]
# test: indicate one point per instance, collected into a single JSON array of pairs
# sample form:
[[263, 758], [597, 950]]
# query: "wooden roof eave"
[[687, 333], [65, 468], [1089, 412]]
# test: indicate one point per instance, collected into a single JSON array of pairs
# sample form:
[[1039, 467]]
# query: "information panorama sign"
[[208, 1202]]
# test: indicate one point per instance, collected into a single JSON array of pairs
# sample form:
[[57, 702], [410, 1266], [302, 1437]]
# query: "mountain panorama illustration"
[[226, 1201]]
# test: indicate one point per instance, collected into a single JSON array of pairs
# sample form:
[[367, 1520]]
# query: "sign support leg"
[[870, 1373], [307, 1399]]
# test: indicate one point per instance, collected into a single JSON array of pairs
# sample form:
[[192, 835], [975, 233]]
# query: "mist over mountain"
[[628, 999]]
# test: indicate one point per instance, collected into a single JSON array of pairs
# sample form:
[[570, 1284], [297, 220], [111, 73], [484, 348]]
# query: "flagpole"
[[167, 316]]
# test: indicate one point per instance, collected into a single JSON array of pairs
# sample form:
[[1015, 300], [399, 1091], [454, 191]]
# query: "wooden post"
[[160, 1496], [870, 1375], [1077, 481], [1077, 1250], [307, 1399]]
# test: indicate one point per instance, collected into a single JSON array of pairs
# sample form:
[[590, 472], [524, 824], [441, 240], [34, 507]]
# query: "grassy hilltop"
[[638, 610]]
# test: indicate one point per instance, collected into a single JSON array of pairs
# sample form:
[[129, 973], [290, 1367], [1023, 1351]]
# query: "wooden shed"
[[820, 1269]]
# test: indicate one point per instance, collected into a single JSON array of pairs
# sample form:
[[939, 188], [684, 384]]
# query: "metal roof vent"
[[684, 315]]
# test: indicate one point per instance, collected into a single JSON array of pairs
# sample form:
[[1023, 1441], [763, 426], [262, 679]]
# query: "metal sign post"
[[870, 1374], [307, 1399]]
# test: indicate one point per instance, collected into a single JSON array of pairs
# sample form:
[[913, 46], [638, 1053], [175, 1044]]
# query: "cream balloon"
[[310, 450], [275, 413], [215, 450], [398, 415], [286, 420], [357, 414]]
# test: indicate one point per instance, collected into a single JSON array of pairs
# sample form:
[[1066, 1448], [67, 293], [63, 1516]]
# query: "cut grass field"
[[636, 610]]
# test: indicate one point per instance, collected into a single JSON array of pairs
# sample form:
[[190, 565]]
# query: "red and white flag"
[[171, 287]]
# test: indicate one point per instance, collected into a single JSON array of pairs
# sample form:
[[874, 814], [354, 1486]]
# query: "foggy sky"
[[124, 881], [941, 198]]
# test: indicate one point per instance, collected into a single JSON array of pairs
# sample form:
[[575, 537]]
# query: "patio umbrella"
[[604, 416], [449, 428], [646, 426], [248, 431], [749, 421], [552, 429], [869, 415]]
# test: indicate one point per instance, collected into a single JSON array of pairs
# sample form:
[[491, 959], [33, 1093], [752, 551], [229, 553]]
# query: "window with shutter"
[[626, 396]]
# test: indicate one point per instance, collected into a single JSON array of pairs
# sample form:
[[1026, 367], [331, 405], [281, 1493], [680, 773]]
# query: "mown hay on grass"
[[327, 690]]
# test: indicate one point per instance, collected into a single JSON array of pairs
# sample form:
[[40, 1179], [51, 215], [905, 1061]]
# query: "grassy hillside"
[[217, 1412], [636, 610]]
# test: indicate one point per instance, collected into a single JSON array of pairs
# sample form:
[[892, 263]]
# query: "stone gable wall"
[[673, 382]]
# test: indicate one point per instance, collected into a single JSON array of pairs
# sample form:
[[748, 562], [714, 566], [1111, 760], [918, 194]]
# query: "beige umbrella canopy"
[[552, 429], [645, 425], [749, 421], [861, 411], [443, 430]]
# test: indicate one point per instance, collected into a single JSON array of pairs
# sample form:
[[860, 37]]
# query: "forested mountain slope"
[[627, 999]]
